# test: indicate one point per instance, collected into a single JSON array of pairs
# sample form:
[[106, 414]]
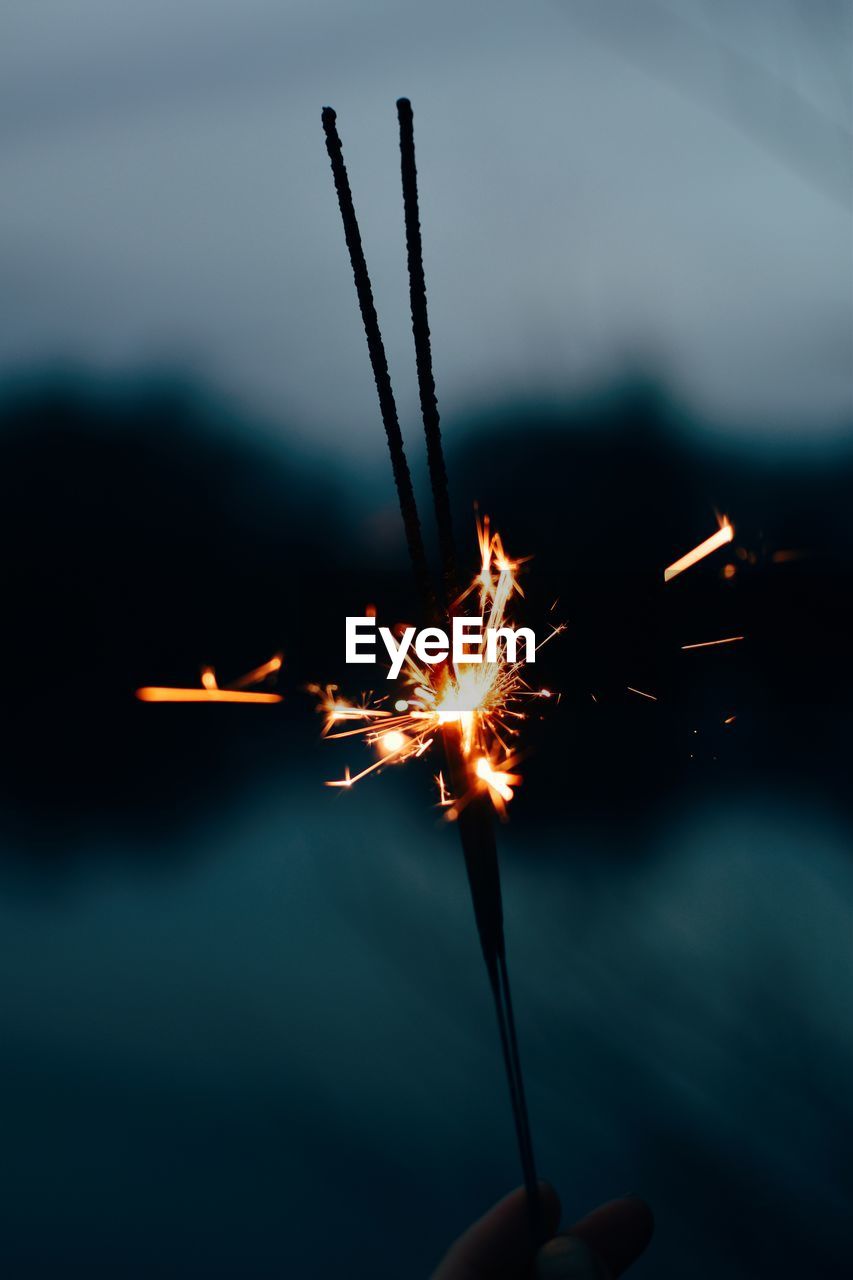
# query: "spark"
[[336, 709], [730, 720], [707, 644], [444, 797], [482, 702], [724, 534], [500, 781], [652, 697], [786, 556], [260, 673], [154, 693], [210, 690]]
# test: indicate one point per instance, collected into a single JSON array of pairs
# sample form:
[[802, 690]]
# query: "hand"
[[599, 1247]]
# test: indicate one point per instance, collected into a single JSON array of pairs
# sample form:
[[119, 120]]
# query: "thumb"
[[568, 1258]]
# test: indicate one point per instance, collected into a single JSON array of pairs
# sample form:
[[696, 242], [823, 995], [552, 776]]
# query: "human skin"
[[600, 1246]]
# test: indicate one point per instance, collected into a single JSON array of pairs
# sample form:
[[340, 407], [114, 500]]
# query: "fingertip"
[[567, 1258], [500, 1242], [617, 1232], [644, 1215]]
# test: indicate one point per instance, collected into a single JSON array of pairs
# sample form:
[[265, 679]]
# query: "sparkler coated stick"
[[379, 363], [423, 348], [475, 819]]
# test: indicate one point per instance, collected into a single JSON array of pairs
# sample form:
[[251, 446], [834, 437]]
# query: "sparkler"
[[473, 712], [471, 708]]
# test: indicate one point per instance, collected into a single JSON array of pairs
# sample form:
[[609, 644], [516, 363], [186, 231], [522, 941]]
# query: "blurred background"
[[245, 1026]]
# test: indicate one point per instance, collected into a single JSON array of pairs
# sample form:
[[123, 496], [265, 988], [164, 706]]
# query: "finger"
[[568, 1258], [498, 1246], [616, 1233]]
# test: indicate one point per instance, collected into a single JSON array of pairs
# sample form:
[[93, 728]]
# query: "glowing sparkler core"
[[478, 700], [724, 534]]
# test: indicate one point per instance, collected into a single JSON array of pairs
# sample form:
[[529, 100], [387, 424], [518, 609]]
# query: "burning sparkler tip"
[[478, 699]]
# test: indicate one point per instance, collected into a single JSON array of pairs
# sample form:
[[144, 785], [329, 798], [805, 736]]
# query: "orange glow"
[[785, 557], [650, 696], [444, 796], [500, 782], [719, 539], [393, 742], [259, 673], [153, 693], [482, 701], [730, 720], [707, 644], [210, 690]]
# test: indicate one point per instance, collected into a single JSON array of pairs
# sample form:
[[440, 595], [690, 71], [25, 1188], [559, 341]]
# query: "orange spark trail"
[[210, 690], [153, 693], [719, 539], [650, 696], [259, 673], [706, 644]]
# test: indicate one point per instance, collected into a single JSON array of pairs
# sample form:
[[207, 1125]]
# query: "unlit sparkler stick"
[[378, 361], [719, 539], [423, 348]]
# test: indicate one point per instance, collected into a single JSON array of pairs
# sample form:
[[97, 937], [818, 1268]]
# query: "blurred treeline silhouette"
[[148, 530]]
